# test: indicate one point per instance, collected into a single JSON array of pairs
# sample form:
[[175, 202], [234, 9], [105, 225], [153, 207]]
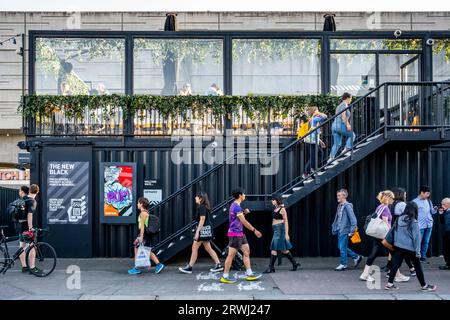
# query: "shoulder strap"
[[380, 210]]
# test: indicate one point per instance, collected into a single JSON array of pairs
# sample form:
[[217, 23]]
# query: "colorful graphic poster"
[[67, 192], [118, 189]]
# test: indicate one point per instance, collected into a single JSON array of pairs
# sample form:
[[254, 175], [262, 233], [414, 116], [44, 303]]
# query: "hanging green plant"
[[255, 107]]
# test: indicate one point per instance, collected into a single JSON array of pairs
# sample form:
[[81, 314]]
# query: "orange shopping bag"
[[356, 237]]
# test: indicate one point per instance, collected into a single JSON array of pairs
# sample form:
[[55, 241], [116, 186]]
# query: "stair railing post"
[[386, 118], [440, 110], [316, 154], [352, 114]]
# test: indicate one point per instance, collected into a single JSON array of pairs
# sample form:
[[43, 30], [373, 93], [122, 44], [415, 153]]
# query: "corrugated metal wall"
[[397, 164], [7, 196], [402, 166]]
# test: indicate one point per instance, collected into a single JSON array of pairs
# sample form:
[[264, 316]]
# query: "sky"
[[223, 6]]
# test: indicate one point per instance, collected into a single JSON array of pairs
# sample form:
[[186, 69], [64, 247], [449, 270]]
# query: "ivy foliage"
[[256, 107]]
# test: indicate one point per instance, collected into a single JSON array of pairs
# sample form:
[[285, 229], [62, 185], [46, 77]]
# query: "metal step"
[[286, 195], [296, 189]]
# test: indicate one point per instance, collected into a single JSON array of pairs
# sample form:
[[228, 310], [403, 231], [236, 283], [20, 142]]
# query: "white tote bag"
[[142, 259], [377, 228]]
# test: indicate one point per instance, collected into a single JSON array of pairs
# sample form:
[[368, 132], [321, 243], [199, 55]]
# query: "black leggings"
[[397, 258], [377, 249]]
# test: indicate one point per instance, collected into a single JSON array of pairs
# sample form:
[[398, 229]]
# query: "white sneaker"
[[401, 278], [340, 267], [366, 277]]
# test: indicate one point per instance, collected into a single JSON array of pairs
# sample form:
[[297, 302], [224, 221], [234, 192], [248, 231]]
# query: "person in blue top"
[[407, 244], [313, 139], [425, 219]]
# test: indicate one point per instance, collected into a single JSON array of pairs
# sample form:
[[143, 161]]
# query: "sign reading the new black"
[[118, 193], [153, 191], [67, 192]]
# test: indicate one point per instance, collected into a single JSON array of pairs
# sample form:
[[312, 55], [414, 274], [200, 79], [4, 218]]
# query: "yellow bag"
[[303, 130], [356, 238]]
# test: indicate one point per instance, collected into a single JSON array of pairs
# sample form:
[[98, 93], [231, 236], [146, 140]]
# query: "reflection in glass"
[[178, 67], [441, 60], [72, 66], [276, 66], [352, 73], [375, 44]]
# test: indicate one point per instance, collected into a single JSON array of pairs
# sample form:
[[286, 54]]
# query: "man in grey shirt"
[[425, 218]]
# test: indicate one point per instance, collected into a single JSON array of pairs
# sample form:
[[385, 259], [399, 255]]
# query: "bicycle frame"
[[9, 260]]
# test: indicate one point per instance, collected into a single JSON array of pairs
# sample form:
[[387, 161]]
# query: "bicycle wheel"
[[45, 260], [3, 259]]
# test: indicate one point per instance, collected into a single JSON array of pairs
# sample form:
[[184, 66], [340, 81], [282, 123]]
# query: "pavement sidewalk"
[[107, 279]]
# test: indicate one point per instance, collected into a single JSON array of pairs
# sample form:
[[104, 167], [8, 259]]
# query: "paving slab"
[[107, 279]]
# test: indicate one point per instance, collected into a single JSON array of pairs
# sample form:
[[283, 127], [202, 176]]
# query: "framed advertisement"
[[118, 192], [67, 192]]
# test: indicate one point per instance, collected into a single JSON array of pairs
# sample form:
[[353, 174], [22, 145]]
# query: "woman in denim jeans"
[[341, 127]]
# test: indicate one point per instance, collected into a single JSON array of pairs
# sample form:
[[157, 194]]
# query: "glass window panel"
[[178, 66], [69, 66], [352, 73], [441, 60], [399, 68], [276, 66], [375, 44]]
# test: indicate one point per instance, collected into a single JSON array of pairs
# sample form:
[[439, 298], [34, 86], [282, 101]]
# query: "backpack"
[[16, 210], [154, 225]]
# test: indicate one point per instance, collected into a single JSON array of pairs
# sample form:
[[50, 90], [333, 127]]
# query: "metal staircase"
[[390, 112]]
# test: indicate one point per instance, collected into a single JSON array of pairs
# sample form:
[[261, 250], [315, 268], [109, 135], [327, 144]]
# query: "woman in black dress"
[[203, 234]]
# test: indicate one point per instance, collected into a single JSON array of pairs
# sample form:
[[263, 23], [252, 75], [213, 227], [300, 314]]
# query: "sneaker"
[[424, 261], [228, 280], [445, 267], [187, 269], [25, 269], [36, 271], [401, 278], [412, 272], [254, 276], [345, 151], [217, 268], [366, 277], [357, 261], [159, 268], [134, 271], [390, 287], [340, 267], [429, 288]]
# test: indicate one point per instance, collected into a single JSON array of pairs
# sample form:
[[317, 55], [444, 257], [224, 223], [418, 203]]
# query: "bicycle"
[[45, 260]]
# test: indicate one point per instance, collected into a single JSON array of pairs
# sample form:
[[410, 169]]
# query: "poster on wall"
[[67, 192], [153, 191], [118, 192]]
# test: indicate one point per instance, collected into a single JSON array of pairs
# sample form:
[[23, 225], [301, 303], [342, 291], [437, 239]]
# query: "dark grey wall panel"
[[396, 164]]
